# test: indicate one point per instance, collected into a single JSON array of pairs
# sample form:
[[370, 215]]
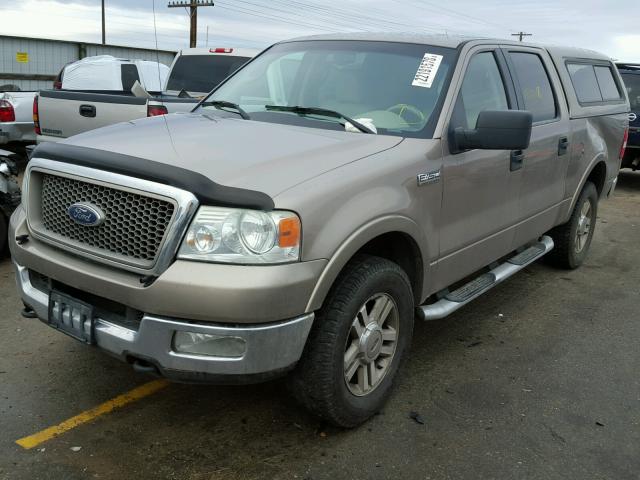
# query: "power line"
[[455, 13], [335, 14], [255, 13]]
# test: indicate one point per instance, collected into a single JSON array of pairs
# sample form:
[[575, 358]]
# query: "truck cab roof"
[[450, 41]]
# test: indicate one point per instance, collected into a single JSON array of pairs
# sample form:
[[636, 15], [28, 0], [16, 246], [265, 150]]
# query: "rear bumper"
[[270, 348], [16, 132]]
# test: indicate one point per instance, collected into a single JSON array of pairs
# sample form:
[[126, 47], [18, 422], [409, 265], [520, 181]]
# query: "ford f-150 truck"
[[331, 191], [194, 72]]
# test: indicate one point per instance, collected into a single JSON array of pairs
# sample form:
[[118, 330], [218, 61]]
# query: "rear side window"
[[593, 83], [534, 85], [129, 75], [584, 81], [482, 89], [608, 86]]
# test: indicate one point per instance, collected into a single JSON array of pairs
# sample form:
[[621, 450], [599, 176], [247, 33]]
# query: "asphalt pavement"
[[538, 379]]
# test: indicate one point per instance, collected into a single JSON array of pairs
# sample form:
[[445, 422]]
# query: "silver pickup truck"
[[194, 72], [323, 197]]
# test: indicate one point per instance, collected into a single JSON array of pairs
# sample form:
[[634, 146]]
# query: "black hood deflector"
[[206, 191]]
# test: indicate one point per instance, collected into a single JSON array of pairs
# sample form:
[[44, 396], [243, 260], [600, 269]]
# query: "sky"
[[610, 26]]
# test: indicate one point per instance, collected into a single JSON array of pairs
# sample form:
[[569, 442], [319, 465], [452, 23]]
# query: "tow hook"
[[28, 312]]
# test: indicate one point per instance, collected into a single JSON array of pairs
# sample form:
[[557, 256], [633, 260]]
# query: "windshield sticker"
[[427, 70]]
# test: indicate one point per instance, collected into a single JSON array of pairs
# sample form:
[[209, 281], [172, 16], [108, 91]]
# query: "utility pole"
[[193, 13], [521, 34], [103, 32]]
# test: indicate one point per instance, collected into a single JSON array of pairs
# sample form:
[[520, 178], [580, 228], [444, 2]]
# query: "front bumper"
[[196, 291], [271, 348]]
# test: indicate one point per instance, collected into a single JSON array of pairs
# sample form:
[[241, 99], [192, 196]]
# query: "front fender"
[[347, 207], [359, 238]]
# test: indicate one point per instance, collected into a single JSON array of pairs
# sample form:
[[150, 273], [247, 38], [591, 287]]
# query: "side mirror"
[[495, 130]]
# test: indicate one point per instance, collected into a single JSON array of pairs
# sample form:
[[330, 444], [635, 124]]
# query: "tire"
[[570, 252], [318, 382], [3, 235]]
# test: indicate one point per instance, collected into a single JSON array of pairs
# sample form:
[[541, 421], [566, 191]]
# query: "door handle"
[[517, 158], [87, 110], [563, 145]]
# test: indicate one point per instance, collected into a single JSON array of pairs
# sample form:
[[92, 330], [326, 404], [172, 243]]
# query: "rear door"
[[479, 204], [545, 162], [66, 113]]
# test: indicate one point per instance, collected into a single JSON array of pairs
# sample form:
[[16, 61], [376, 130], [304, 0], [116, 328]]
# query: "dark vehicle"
[[631, 76]]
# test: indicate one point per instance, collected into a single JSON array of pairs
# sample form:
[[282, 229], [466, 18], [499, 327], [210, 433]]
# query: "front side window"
[[534, 85], [396, 87], [482, 89]]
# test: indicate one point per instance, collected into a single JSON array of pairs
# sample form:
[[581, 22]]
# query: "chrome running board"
[[452, 301]]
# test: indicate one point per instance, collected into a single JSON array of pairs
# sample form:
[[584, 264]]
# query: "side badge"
[[429, 177]]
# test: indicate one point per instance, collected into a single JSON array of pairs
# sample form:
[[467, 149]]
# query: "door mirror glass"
[[496, 130]]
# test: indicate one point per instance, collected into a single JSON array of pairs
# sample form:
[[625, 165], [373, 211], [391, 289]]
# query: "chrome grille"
[[134, 225]]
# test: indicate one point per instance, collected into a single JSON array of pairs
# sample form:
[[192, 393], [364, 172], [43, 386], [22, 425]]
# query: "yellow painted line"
[[93, 413]]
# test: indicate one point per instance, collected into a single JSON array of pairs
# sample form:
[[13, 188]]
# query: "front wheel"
[[357, 343], [573, 239]]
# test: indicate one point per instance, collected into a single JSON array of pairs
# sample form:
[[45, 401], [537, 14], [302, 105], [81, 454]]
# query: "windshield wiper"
[[222, 104], [319, 111]]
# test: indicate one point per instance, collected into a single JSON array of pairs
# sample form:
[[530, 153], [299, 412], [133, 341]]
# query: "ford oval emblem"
[[86, 214], [632, 117]]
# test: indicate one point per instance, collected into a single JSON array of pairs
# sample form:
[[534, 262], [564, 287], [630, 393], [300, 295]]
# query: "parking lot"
[[538, 379]]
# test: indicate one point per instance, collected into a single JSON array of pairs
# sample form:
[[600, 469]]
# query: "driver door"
[[480, 192]]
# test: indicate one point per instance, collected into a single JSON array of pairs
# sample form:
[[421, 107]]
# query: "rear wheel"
[[573, 239], [357, 343]]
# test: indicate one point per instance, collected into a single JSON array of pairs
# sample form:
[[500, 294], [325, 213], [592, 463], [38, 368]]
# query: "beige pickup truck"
[[315, 204]]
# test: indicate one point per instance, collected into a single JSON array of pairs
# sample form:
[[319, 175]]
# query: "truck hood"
[[260, 156]]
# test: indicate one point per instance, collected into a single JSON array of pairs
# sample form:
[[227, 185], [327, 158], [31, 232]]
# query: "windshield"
[[395, 87], [632, 83], [201, 73]]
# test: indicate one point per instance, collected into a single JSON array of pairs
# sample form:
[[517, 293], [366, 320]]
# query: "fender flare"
[[600, 157], [350, 246]]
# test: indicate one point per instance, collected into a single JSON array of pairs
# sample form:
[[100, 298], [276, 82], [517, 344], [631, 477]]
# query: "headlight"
[[231, 235]]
